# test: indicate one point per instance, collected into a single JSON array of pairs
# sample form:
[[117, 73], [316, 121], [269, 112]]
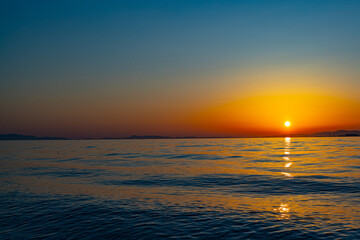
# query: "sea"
[[239, 188]]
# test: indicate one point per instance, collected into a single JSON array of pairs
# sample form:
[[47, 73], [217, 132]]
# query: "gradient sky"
[[178, 68]]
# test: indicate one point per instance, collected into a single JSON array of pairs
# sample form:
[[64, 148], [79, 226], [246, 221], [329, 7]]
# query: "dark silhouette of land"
[[340, 133], [162, 137], [26, 137], [147, 137]]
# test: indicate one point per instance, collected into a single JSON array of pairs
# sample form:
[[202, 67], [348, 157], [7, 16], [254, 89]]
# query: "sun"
[[287, 124]]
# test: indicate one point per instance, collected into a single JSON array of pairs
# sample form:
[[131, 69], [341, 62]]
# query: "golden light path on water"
[[284, 208]]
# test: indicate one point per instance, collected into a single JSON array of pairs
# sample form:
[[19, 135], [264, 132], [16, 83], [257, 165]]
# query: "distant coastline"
[[340, 133], [13, 136]]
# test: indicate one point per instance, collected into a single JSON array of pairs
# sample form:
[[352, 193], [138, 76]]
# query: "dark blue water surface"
[[270, 188]]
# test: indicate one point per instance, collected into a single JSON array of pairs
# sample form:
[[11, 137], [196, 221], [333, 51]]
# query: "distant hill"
[[147, 137], [165, 137], [26, 137], [340, 133]]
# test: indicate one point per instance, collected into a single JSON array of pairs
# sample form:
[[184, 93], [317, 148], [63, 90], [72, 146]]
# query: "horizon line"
[[17, 136]]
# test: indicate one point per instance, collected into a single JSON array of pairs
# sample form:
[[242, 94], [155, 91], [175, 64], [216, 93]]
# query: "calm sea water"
[[274, 188]]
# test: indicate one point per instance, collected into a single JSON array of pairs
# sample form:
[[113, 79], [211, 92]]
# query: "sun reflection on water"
[[287, 158], [284, 211], [288, 164], [287, 174]]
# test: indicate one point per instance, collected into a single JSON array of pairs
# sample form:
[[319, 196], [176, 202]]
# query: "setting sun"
[[287, 124]]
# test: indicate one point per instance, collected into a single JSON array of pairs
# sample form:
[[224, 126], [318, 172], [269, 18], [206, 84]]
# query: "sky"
[[90, 69]]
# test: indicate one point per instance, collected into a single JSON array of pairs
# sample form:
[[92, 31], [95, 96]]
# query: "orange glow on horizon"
[[260, 115]]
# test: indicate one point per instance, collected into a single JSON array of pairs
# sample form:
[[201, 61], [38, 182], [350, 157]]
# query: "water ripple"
[[271, 188]]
